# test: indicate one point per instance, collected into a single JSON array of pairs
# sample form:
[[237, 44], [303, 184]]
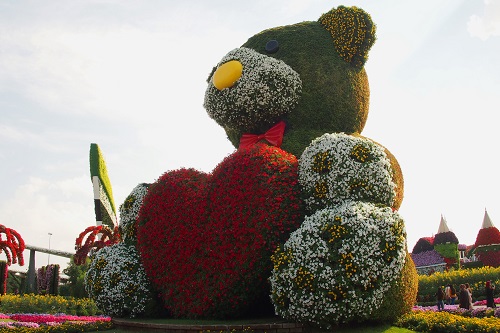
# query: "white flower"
[[338, 167], [267, 90], [326, 263], [117, 282], [129, 211]]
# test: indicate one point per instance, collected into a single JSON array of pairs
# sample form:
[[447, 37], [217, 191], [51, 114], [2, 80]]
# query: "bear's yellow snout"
[[227, 74]]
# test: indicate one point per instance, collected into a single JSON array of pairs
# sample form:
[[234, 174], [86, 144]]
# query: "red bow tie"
[[274, 136]]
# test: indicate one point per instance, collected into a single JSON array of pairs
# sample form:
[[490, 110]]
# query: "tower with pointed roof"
[[487, 245], [443, 225], [437, 253], [446, 244]]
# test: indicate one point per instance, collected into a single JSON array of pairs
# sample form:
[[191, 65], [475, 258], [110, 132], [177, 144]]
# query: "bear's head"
[[309, 75]]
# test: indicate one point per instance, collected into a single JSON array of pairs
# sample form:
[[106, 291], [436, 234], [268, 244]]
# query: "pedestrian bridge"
[[31, 285]]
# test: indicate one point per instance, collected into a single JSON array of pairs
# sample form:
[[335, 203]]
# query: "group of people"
[[464, 296]]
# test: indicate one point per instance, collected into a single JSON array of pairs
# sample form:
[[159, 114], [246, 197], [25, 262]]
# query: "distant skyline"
[[131, 76]]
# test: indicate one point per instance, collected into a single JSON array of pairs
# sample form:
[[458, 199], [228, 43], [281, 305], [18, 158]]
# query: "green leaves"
[[103, 193]]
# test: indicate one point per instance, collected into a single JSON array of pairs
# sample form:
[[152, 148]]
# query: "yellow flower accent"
[[335, 231], [353, 33], [361, 153], [322, 162], [304, 279], [281, 258], [321, 190], [101, 264]]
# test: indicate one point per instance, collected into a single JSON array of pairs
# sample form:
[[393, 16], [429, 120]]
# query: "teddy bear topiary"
[[302, 218], [308, 79]]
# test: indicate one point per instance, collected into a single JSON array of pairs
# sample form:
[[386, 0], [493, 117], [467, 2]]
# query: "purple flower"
[[427, 258]]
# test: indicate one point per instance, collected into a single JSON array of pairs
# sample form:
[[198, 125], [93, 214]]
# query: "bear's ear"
[[353, 33]]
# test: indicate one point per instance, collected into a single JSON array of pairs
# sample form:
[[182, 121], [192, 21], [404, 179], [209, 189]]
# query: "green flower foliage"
[[338, 265], [98, 168], [117, 283], [335, 95], [449, 251]]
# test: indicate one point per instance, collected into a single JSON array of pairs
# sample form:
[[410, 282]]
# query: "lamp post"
[[48, 258]]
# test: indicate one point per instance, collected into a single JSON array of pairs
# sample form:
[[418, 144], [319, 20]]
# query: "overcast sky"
[[130, 76]]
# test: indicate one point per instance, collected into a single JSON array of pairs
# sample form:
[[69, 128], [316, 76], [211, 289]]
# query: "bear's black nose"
[[272, 46]]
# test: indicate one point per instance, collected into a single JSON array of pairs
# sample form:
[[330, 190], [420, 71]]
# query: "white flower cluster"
[[337, 167], [337, 266], [267, 89], [117, 282], [129, 211]]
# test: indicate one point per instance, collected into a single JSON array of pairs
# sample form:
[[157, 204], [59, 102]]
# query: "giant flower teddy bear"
[[302, 218]]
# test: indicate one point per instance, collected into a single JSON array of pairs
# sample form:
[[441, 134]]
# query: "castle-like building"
[[443, 251]]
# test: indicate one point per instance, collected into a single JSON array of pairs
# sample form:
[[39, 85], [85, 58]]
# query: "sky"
[[130, 75]]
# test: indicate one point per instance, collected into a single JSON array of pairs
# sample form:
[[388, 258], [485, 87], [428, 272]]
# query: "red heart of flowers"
[[206, 239]]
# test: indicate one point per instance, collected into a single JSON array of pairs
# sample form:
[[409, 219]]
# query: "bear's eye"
[[272, 46]]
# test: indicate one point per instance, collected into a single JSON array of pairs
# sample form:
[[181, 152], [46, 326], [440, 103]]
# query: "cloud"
[[488, 24], [41, 206]]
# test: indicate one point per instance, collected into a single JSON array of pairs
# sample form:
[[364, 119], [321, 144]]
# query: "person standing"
[[440, 297], [467, 287], [490, 299], [453, 295], [464, 298], [447, 294]]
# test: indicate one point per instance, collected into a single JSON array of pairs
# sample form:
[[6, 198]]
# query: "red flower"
[[105, 236], [13, 245], [206, 239], [487, 236]]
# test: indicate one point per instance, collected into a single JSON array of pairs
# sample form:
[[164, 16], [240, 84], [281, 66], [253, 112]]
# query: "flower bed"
[[483, 302], [480, 312], [451, 320], [30, 303], [53, 323]]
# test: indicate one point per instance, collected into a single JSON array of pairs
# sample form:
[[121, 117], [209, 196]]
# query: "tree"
[[76, 279]]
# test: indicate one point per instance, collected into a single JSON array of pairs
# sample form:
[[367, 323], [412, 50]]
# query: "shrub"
[[30, 303], [75, 286]]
